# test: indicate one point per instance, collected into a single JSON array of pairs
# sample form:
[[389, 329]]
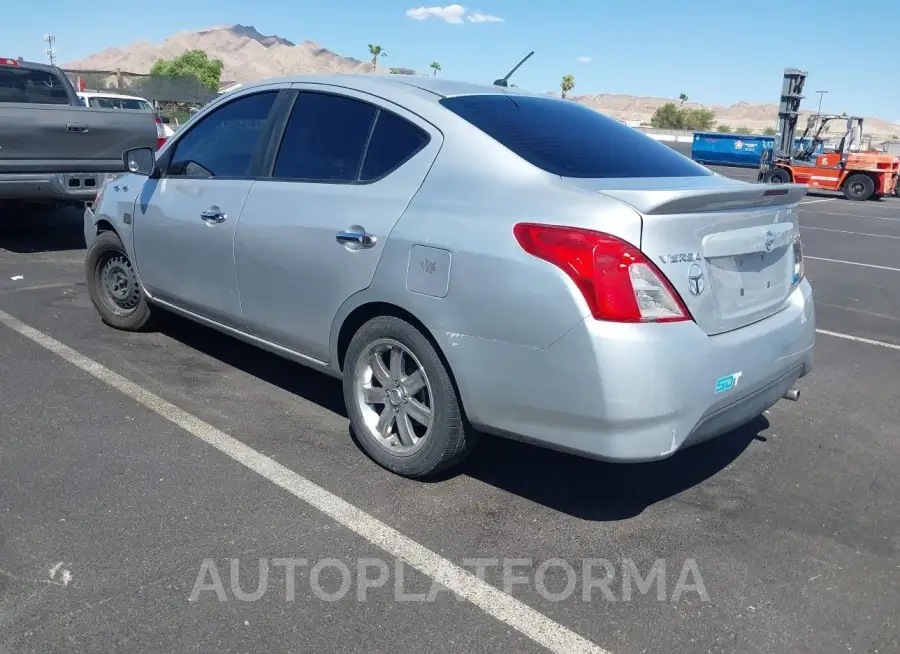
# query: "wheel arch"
[[361, 314], [364, 312], [103, 225]]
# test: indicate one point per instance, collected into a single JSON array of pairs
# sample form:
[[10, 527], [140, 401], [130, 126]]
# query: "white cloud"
[[584, 60], [478, 17], [450, 13]]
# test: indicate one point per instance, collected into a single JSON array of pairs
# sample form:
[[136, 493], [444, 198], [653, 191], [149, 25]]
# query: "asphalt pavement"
[[152, 482]]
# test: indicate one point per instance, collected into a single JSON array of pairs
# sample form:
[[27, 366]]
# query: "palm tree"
[[436, 67], [683, 97], [567, 84], [376, 51]]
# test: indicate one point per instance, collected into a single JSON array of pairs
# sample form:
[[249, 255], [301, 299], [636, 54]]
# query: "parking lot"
[[136, 465]]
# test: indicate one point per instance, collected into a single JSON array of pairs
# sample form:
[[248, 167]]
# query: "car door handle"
[[76, 128], [213, 215], [362, 239]]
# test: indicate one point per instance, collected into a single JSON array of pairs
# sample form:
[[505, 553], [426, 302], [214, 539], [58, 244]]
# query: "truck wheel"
[[777, 176], [403, 406], [113, 286], [859, 187]]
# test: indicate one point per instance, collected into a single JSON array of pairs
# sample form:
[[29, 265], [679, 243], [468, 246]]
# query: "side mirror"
[[140, 161], [165, 120]]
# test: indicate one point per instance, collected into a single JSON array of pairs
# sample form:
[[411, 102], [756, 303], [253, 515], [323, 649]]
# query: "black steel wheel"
[[859, 187], [113, 285]]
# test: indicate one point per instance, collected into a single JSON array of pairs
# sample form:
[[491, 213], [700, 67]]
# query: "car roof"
[[386, 84]]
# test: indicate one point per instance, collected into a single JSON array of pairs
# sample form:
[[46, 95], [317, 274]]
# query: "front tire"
[[113, 285], [402, 404], [859, 187]]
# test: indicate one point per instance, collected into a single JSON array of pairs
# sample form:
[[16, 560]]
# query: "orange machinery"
[[860, 175]]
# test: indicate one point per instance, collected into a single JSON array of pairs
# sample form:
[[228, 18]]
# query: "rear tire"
[[113, 285], [403, 406], [777, 176], [858, 187]]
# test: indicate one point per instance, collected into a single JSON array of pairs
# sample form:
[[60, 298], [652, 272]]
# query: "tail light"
[[798, 260], [618, 282], [160, 133], [8, 62]]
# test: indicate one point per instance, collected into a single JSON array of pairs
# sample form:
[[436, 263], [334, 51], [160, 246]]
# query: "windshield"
[[568, 139], [31, 86], [121, 103]]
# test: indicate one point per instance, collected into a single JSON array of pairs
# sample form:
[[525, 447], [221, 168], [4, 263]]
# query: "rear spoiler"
[[716, 198]]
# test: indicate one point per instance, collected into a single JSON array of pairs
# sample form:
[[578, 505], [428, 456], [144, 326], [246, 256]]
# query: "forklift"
[[859, 175]]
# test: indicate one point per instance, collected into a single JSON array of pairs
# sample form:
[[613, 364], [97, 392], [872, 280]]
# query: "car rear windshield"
[[565, 138], [120, 103], [31, 86]]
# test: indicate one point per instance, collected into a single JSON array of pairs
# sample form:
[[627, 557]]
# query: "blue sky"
[[717, 52]]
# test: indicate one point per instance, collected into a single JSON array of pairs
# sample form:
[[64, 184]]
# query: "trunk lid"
[[726, 246]]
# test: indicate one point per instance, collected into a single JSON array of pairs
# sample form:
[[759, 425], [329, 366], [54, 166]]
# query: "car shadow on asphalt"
[[583, 488], [28, 230], [601, 491]]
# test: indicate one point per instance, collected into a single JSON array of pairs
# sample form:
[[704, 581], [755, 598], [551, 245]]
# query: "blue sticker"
[[728, 382]]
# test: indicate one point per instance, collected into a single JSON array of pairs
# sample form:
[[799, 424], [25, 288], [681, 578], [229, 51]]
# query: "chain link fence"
[[159, 89]]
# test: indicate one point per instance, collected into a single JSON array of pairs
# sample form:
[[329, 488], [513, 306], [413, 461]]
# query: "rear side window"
[[31, 86], [567, 139], [334, 138], [324, 139], [394, 140]]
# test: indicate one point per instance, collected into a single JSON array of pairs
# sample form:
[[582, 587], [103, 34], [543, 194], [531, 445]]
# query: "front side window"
[[224, 143], [567, 139]]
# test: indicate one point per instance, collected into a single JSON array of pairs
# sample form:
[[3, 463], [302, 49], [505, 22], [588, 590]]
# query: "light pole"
[[821, 95]]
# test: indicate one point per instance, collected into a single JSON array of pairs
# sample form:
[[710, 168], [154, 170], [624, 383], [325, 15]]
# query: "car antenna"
[[503, 82]]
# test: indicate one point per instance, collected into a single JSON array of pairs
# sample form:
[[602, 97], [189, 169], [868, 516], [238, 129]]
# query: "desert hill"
[[249, 55]]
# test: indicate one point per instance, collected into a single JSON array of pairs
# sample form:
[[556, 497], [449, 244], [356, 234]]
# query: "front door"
[[311, 234], [185, 222]]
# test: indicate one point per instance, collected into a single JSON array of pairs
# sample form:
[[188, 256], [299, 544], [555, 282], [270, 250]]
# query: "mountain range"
[[249, 55]]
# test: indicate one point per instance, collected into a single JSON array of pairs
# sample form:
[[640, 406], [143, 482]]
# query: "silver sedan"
[[467, 259]]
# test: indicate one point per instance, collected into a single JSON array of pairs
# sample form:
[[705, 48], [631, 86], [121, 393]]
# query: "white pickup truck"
[[53, 149]]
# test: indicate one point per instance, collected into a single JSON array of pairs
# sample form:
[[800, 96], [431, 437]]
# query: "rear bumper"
[[633, 392], [75, 187]]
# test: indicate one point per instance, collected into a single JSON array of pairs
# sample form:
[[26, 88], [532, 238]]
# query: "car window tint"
[[324, 138], [223, 143], [565, 138], [393, 141], [31, 86]]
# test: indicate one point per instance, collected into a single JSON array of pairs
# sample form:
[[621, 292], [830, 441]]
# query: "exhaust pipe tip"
[[793, 395]]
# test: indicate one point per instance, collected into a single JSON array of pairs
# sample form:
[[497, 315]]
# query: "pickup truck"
[[54, 150]]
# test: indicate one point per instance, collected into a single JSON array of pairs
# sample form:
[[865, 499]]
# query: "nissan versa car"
[[467, 259]]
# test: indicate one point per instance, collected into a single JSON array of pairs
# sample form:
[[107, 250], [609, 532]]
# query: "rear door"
[[44, 130], [347, 166]]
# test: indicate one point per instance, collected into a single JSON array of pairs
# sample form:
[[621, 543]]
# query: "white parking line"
[[843, 231], [852, 263], [858, 339], [819, 200], [850, 215], [533, 624]]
